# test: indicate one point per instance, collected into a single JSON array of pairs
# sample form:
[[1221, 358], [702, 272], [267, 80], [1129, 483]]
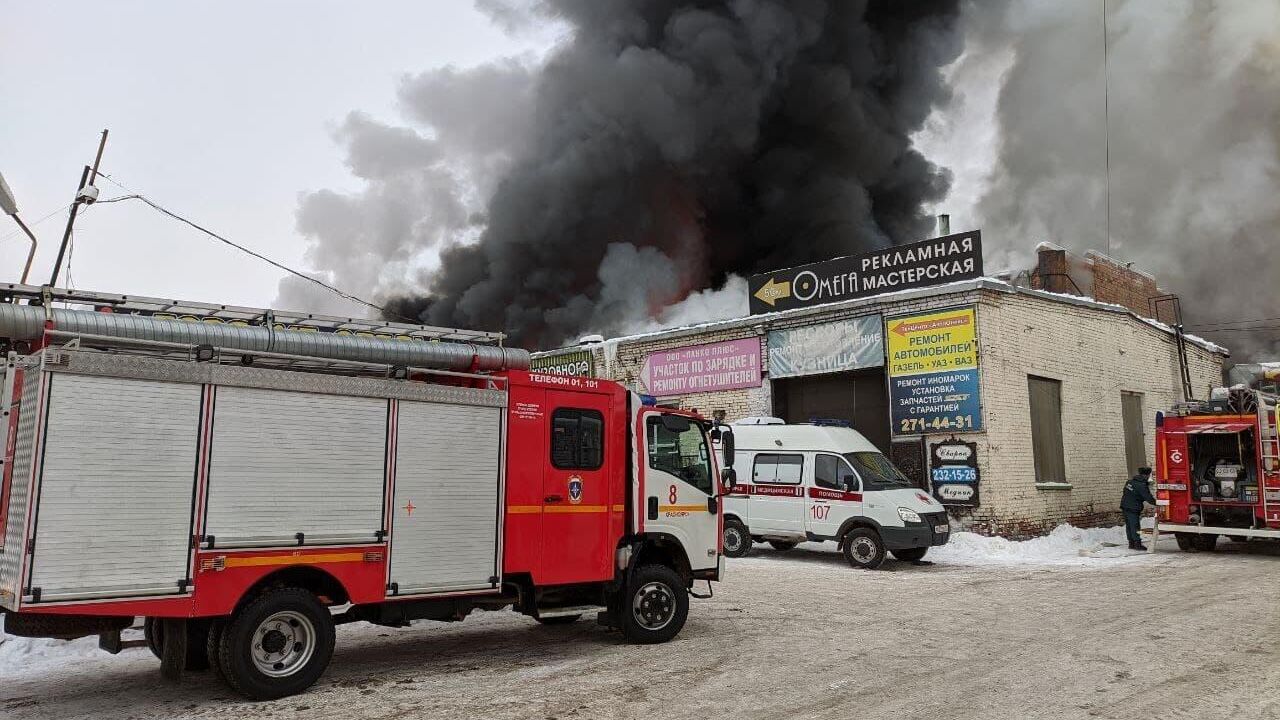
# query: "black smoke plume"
[[662, 148]]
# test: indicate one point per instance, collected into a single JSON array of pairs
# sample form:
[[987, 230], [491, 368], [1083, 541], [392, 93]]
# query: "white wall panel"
[[284, 463], [448, 465], [116, 487]]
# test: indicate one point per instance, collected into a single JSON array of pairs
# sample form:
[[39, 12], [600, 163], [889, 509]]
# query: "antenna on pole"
[[1106, 117], [86, 193]]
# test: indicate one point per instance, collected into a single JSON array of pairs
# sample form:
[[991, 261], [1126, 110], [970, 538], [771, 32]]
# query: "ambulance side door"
[[777, 493], [834, 494]]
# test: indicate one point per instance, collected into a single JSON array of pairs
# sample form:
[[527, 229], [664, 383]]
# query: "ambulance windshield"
[[876, 471]]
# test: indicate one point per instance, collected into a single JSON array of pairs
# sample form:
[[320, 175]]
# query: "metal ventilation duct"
[[24, 322]]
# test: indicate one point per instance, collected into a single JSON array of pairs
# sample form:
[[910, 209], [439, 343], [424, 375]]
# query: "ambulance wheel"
[[910, 554], [782, 545], [863, 548], [1206, 543], [559, 620], [737, 541], [655, 606], [1186, 542], [277, 645], [197, 657]]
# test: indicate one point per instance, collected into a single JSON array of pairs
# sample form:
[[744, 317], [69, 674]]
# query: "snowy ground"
[[1062, 626]]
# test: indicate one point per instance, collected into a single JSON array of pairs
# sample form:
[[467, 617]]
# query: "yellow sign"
[[932, 342]]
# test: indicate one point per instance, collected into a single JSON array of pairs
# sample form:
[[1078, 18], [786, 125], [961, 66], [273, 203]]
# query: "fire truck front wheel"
[[277, 645], [655, 606]]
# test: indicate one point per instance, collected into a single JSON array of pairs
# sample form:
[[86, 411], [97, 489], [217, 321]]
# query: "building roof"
[[982, 283]]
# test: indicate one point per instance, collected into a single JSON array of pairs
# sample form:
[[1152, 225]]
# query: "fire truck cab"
[[826, 483], [244, 500], [1218, 469]]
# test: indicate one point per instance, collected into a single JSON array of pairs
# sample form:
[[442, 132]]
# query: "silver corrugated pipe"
[[24, 322]]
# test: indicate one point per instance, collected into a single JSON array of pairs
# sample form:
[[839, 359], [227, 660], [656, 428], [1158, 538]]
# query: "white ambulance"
[[821, 483]]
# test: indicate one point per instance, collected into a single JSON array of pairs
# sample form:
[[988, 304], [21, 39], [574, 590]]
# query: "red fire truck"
[[1218, 468], [245, 481]]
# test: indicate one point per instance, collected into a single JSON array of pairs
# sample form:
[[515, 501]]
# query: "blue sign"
[[946, 401], [955, 474]]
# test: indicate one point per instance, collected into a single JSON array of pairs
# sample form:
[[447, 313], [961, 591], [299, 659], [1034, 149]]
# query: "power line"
[[1229, 323], [169, 213], [16, 233]]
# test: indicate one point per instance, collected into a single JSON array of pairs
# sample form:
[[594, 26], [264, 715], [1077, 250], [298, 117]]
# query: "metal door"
[[448, 480], [777, 493], [114, 499], [290, 468], [578, 497], [834, 494], [1135, 436]]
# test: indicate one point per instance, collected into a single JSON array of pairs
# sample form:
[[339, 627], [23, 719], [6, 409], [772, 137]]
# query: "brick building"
[[1061, 410]]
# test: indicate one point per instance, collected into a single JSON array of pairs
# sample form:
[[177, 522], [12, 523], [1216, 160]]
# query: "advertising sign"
[[827, 348], [702, 368], [577, 363], [930, 262], [953, 470], [933, 372]]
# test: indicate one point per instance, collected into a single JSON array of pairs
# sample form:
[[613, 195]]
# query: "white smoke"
[[1194, 108]]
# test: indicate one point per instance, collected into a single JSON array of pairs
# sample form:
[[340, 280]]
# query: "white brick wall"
[[1094, 352]]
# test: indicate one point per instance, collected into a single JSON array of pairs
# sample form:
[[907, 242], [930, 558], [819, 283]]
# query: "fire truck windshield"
[[876, 471], [680, 449]]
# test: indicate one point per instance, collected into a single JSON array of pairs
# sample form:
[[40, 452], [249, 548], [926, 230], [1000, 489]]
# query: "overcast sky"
[[221, 111]]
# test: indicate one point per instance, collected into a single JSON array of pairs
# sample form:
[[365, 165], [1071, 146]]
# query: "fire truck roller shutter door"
[[13, 553], [115, 495], [284, 463], [444, 530]]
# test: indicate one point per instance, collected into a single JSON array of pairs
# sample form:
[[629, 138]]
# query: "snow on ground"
[[27, 654], [1064, 546]]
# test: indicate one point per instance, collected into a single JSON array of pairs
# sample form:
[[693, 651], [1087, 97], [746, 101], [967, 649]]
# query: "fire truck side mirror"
[[729, 478], [726, 445]]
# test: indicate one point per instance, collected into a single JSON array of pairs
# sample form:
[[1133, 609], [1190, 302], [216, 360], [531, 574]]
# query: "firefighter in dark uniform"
[[1136, 492]]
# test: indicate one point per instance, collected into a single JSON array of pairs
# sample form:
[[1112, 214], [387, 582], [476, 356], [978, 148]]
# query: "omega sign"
[[930, 262]]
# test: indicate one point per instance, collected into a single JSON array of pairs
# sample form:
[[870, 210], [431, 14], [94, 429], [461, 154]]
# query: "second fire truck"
[[1218, 466]]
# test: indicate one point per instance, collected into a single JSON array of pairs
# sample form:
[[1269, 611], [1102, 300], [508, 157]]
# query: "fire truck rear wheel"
[[863, 548], [737, 541], [1206, 543], [656, 605], [1185, 543], [277, 645], [783, 545], [197, 657], [213, 645]]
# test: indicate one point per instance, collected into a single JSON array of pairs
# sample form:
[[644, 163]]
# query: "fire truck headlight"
[[908, 515]]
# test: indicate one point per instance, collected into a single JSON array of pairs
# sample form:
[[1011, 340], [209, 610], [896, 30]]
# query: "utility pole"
[[86, 193]]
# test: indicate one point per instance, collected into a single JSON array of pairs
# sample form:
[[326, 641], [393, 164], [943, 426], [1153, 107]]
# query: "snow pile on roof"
[[1066, 545]]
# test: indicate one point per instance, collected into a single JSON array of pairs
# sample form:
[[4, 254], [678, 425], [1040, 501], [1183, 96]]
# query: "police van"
[[821, 483]]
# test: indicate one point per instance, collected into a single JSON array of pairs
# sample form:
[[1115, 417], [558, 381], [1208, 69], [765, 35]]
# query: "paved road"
[[795, 635]]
